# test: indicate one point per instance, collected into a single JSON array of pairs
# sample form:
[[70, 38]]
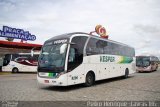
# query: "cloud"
[[133, 22], [7, 5], [150, 52], [149, 38], [152, 31]]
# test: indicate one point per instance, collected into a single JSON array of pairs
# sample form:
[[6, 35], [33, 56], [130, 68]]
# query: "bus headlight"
[[59, 74]]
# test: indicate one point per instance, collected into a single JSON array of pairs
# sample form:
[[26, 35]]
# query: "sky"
[[133, 22]]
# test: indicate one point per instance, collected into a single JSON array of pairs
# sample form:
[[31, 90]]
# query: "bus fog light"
[[60, 83]]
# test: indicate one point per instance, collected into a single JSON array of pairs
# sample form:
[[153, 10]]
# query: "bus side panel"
[[25, 68], [107, 68], [133, 65], [21, 67], [90, 65], [102, 71]]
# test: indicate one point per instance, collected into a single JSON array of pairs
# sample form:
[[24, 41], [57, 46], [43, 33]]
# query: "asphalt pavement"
[[24, 87]]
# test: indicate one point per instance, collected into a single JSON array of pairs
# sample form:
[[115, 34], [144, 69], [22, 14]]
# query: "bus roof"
[[68, 35]]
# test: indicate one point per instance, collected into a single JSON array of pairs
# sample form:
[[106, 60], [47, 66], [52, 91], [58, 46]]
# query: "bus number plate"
[[46, 81]]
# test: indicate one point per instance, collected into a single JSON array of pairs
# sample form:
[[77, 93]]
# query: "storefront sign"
[[16, 34]]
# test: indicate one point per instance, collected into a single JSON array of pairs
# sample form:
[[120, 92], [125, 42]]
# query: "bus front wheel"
[[15, 70], [90, 79], [126, 73]]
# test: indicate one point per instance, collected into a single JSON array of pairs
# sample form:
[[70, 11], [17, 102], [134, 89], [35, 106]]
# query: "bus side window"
[[72, 55], [75, 57]]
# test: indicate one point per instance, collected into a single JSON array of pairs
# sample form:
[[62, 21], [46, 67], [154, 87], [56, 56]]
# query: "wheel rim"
[[127, 73], [15, 70], [89, 79]]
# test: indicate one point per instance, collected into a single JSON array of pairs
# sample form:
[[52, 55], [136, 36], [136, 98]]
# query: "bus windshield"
[[143, 61], [52, 57]]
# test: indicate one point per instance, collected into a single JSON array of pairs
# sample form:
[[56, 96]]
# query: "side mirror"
[[63, 48]]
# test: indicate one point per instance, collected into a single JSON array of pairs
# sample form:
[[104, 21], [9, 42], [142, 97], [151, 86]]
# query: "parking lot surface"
[[138, 87]]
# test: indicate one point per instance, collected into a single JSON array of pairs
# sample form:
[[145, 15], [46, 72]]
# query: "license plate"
[[46, 81]]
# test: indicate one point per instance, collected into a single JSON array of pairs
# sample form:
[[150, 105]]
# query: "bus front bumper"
[[61, 81], [144, 69]]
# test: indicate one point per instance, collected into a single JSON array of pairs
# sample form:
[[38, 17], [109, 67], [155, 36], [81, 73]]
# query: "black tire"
[[126, 73], [90, 79], [15, 70]]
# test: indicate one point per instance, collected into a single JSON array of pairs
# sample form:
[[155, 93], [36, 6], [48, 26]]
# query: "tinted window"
[[96, 46], [76, 52], [18, 57]]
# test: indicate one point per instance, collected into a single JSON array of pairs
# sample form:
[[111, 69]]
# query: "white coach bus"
[[21, 62], [77, 58], [146, 63]]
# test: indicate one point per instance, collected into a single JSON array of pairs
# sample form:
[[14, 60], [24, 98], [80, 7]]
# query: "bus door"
[[75, 59]]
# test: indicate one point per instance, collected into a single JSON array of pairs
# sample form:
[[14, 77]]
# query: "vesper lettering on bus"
[[107, 59]]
